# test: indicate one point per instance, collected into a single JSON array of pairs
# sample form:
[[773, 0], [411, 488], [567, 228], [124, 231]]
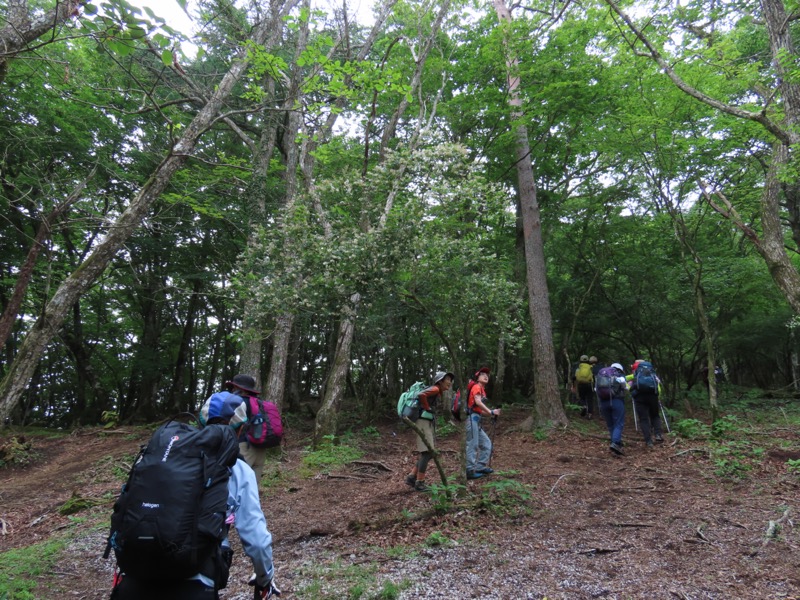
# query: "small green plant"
[[793, 466], [691, 428], [370, 433], [443, 496], [109, 418], [734, 459], [437, 538], [330, 455], [16, 451], [506, 497], [20, 567], [391, 590], [444, 427], [401, 552], [726, 426], [540, 434]]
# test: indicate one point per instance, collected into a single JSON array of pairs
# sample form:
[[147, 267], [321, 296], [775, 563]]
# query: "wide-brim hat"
[[441, 375], [243, 382]]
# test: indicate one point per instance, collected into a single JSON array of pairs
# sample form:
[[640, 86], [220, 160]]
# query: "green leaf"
[[167, 58]]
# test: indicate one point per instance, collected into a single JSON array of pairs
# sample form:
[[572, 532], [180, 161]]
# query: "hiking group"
[[420, 405], [610, 385], [591, 381], [169, 528]]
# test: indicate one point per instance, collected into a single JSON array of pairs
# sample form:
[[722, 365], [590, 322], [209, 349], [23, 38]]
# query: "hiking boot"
[[659, 439], [486, 470], [616, 448], [421, 486], [474, 474], [650, 444], [411, 480]]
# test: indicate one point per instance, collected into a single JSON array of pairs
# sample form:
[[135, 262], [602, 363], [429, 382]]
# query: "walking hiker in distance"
[[479, 446]]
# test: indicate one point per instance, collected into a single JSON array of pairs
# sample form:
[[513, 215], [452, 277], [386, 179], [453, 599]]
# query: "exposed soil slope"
[[564, 518]]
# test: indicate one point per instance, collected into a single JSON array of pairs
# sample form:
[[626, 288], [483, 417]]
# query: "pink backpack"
[[264, 427]]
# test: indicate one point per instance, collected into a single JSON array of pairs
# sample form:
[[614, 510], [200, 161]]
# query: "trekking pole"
[[635, 418], [491, 441], [664, 415]]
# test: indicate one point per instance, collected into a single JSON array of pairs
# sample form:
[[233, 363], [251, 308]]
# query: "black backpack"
[[169, 521]]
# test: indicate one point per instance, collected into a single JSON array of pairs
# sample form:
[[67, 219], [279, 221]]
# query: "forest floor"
[[561, 518]]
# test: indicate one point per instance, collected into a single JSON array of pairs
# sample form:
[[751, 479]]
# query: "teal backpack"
[[408, 405]]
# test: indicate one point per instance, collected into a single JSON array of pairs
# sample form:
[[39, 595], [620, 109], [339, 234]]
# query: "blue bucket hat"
[[226, 406]]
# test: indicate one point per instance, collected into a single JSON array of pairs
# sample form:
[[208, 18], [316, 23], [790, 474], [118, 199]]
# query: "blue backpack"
[[645, 379]]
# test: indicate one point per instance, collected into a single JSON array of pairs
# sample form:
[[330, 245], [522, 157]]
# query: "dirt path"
[[564, 518]]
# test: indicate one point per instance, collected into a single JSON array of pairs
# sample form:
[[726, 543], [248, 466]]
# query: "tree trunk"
[[179, 396], [328, 414], [46, 326], [547, 401]]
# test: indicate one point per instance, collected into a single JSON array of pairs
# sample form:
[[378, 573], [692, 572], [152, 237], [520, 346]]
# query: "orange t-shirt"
[[429, 395], [477, 389]]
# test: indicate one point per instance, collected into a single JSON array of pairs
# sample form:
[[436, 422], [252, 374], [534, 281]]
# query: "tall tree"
[[548, 400]]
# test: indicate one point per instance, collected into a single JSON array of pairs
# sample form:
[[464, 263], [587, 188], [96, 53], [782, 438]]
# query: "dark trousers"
[[586, 397], [646, 406], [191, 589]]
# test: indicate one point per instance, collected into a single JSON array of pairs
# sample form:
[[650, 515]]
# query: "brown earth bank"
[[562, 517]]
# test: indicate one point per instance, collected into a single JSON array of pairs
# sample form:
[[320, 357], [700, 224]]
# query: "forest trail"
[[562, 518]]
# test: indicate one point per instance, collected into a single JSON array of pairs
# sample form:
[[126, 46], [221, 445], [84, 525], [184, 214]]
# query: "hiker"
[[479, 446], [645, 386], [610, 387], [244, 511], [428, 401], [244, 386], [583, 379], [596, 366]]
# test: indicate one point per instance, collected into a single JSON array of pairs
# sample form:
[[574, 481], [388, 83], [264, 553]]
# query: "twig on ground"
[[678, 594], [559, 479], [773, 529], [372, 463], [633, 525], [593, 551], [691, 450], [37, 519], [5, 528]]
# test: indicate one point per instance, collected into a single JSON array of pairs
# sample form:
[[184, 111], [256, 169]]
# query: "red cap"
[[482, 370]]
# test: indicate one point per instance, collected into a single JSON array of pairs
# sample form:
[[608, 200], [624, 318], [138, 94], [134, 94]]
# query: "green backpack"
[[408, 405]]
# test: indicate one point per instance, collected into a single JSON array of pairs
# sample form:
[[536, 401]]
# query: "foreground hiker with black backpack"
[[428, 400], [263, 430], [644, 387], [169, 529]]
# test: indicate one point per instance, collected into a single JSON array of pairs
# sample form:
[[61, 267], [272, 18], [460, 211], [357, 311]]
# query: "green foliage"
[[16, 451], [20, 567], [735, 459], [691, 428], [793, 466], [726, 426], [443, 496], [329, 455], [506, 497], [437, 538]]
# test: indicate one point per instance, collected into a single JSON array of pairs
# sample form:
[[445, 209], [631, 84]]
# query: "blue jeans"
[[479, 446], [613, 412]]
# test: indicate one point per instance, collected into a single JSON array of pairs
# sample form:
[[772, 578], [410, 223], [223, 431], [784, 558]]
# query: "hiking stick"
[[491, 442], [635, 418], [434, 454], [664, 415]]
